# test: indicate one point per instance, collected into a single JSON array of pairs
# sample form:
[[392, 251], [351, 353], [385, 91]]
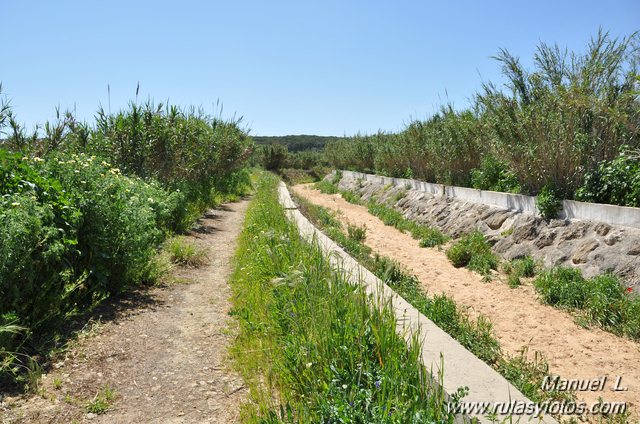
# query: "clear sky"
[[288, 67]]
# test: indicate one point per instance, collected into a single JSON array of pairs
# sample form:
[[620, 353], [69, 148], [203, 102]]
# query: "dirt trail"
[[164, 354], [519, 319]]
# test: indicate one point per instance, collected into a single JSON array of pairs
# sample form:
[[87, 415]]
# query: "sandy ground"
[[163, 351], [518, 318]]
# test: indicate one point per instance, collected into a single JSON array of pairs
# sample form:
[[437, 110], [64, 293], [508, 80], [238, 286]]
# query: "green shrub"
[[606, 300], [522, 267], [350, 197], [513, 281], [65, 249], [548, 202], [39, 235], [431, 237], [494, 175], [273, 156], [356, 232], [525, 267], [474, 252], [615, 182], [120, 229], [562, 286], [326, 187]]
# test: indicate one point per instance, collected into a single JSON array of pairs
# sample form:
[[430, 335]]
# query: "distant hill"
[[297, 143]]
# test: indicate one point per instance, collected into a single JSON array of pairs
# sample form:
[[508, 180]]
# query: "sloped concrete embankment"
[[514, 228], [440, 352]]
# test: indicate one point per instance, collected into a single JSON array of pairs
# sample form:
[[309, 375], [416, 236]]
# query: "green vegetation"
[[84, 210], [428, 236], [474, 252], [316, 343], [295, 167], [548, 202], [601, 300], [101, 401], [297, 143], [475, 335], [562, 124], [494, 175], [517, 268], [327, 187], [616, 182], [356, 232], [184, 252]]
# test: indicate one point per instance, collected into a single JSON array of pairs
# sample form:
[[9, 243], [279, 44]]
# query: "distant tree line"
[[297, 143]]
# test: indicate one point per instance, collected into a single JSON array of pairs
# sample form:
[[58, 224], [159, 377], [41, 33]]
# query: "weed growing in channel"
[[602, 300], [428, 236], [474, 252], [517, 268], [356, 232]]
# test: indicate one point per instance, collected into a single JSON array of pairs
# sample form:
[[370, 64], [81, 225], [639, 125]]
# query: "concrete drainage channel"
[[440, 352]]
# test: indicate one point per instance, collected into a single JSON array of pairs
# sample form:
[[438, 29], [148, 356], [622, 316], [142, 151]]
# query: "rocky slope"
[[593, 247]]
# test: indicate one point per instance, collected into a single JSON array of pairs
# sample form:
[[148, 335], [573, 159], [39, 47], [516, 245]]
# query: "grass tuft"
[[601, 300], [101, 401], [356, 232], [474, 252], [186, 253]]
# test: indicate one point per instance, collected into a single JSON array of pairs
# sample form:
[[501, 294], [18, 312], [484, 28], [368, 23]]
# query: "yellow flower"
[[15, 204]]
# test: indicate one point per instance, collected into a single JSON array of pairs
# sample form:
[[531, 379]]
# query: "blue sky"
[[288, 67]]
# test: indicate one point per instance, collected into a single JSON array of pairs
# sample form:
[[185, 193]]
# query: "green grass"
[[101, 401], [474, 252], [330, 187], [601, 300], [517, 268], [311, 346], [356, 232], [184, 252], [326, 187], [428, 236]]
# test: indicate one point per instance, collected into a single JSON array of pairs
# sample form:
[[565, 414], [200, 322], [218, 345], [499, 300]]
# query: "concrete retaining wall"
[[440, 352], [609, 214]]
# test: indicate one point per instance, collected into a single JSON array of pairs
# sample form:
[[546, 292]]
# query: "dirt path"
[[163, 354], [519, 319]]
